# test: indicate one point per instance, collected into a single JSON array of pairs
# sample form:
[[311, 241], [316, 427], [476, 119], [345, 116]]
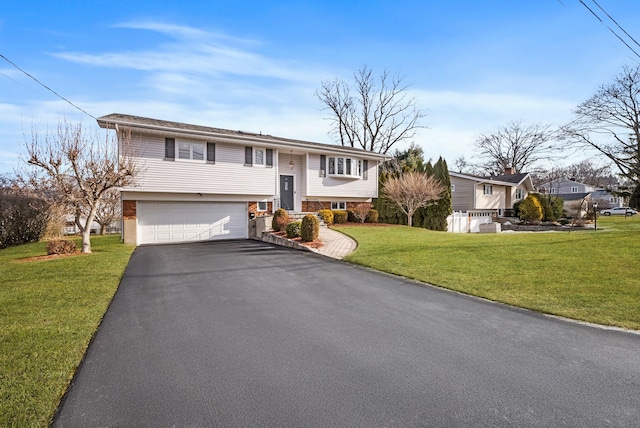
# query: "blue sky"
[[254, 65]]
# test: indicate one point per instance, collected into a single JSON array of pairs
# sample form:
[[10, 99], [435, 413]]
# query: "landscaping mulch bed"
[[313, 244], [48, 257]]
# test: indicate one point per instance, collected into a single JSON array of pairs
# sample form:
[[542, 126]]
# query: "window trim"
[[574, 189], [266, 206], [344, 167], [191, 145], [251, 153], [338, 204]]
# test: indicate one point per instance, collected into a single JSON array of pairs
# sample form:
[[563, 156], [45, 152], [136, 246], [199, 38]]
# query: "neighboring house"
[[202, 183], [494, 194], [579, 196]]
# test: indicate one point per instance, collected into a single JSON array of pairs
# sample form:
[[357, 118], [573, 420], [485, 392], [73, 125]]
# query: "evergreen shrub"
[[280, 220], [327, 216], [339, 216], [372, 217], [310, 228], [531, 210], [293, 229]]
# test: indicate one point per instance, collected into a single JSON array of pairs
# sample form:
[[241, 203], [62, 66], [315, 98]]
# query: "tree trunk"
[[86, 240], [410, 219], [86, 233], [103, 229]]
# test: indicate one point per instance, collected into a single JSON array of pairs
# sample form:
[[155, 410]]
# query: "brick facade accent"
[[253, 208], [313, 206], [129, 210]]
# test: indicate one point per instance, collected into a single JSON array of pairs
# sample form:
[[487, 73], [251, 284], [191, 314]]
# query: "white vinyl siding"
[[339, 187], [227, 176]]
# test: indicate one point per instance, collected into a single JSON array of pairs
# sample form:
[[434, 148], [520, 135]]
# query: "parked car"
[[619, 211]]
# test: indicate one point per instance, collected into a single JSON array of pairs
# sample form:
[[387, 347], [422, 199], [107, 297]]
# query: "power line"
[[610, 29], [615, 22], [46, 87]]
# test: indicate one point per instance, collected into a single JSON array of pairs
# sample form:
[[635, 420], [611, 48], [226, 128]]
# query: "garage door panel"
[[164, 222]]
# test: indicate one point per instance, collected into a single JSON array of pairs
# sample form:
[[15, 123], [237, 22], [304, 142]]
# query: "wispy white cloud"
[[195, 51]]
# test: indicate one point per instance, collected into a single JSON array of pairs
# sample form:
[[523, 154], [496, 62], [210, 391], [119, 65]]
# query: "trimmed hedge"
[[310, 228], [293, 229], [339, 216], [372, 217], [280, 220], [327, 216]]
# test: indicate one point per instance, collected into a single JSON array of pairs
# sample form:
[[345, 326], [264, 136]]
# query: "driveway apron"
[[243, 333]]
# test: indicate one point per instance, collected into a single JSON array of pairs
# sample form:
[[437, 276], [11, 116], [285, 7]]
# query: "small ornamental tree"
[[310, 228], [361, 211], [412, 190], [531, 210], [77, 168]]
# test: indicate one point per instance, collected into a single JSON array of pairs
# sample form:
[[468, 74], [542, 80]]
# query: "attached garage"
[[166, 222]]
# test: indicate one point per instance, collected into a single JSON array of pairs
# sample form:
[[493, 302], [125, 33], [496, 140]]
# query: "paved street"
[[243, 333]]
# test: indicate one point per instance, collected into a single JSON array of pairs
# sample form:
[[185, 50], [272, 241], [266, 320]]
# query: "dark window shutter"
[[365, 169], [248, 155], [170, 148], [323, 165], [269, 157], [211, 152]]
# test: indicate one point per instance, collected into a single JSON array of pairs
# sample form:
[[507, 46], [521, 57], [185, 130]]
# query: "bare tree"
[[586, 171], [412, 190], [369, 114], [515, 145], [108, 209], [361, 211], [78, 167], [609, 122]]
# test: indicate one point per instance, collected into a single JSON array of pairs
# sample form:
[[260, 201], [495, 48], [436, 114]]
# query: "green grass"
[[589, 275], [49, 310]]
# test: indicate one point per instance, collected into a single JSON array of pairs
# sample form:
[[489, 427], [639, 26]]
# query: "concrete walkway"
[[335, 244]]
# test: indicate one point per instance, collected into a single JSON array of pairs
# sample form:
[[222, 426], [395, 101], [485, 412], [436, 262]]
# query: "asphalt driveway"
[[243, 333]]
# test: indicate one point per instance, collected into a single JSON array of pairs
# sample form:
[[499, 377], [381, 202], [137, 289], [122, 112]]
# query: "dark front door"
[[286, 192]]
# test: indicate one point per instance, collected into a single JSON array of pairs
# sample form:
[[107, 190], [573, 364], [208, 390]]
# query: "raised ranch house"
[[493, 194], [578, 197], [202, 183]]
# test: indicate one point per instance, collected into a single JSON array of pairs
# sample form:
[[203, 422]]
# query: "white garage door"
[[163, 222]]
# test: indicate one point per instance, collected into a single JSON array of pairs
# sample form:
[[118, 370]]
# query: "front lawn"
[[49, 310], [586, 275]]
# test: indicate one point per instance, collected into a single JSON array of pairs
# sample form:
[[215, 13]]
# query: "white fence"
[[468, 221]]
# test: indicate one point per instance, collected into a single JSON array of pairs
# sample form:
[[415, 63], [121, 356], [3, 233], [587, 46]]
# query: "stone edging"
[[279, 240]]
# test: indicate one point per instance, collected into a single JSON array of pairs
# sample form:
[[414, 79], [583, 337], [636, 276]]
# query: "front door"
[[286, 192]]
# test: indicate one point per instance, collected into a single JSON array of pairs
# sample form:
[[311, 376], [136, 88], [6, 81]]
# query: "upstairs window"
[[453, 188], [519, 194], [574, 190], [345, 167], [488, 189], [258, 156], [190, 151]]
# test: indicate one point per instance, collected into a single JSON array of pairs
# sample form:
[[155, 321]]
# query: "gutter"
[[309, 146]]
